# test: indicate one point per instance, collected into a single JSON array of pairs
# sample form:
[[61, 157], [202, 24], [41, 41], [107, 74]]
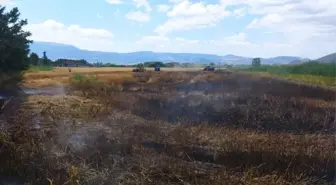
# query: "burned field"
[[171, 128]]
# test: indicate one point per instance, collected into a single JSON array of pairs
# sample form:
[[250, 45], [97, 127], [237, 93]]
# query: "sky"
[[252, 28]]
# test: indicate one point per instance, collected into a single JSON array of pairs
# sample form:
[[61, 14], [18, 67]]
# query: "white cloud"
[[187, 16], [234, 44], [298, 10], [186, 41], [239, 12], [138, 16], [238, 39], [137, 3], [301, 20], [237, 44], [85, 38], [154, 43], [294, 27], [143, 3], [3, 2], [175, 1], [164, 44], [298, 21], [89, 32], [7, 2], [178, 24], [187, 8], [267, 20], [114, 1], [156, 39], [163, 8], [148, 40]]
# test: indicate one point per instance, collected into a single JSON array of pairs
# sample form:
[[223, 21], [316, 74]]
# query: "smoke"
[[37, 122], [2, 122], [52, 90], [76, 136], [77, 140]]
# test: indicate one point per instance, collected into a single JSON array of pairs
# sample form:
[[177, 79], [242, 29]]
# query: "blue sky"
[[264, 28]]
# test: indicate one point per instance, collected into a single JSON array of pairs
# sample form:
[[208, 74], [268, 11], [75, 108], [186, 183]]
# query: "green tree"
[[256, 62], [14, 42], [34, 59], [45, 60], [98, 64], [154, 63], [140, 66]]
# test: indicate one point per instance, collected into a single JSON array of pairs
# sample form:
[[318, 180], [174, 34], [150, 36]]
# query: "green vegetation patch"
[[84, 79], [309, 68], [33, 68], [323, 74], [312, 79]]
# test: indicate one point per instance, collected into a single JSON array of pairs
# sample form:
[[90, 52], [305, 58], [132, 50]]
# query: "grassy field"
[[322, 74], [312, 79], [308, 68], [322, 81], [173, 127]]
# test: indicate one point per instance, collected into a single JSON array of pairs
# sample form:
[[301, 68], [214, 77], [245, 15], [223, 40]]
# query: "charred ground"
[[172, 128]]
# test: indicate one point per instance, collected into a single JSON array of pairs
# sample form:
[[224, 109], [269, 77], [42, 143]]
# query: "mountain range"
[[328, 58], [57, 51]]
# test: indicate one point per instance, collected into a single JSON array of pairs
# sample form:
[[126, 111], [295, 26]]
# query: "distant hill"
[[296, 62], [282, 60], [331, 58], [58, 51]]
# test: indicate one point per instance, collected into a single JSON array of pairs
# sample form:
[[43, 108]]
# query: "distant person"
[[69, 69]]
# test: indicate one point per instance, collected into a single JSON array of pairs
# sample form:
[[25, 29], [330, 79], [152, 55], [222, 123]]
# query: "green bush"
[[85, 79], [78, 77]]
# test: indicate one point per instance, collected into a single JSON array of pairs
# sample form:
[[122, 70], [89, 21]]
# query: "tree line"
[[34, 59], [151, 64]]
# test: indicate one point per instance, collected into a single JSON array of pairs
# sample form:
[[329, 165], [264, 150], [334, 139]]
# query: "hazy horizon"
[[224, 54]]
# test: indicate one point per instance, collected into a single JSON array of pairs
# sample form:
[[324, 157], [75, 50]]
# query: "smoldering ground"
[[174, 128]]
